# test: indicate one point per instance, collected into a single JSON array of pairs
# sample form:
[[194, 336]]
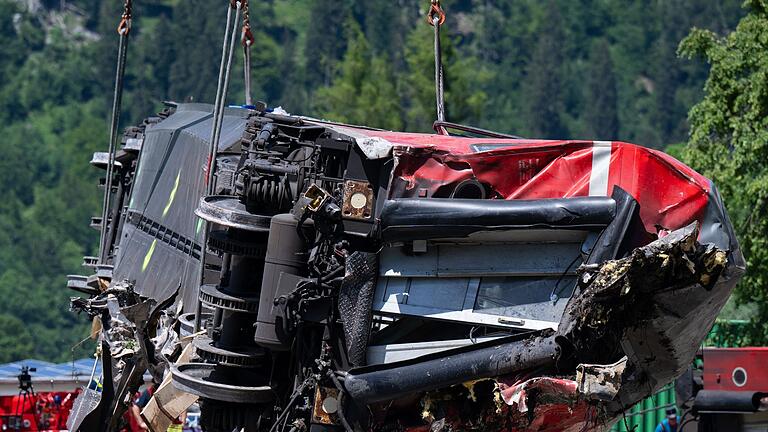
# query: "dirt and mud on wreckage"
[[292, 274]]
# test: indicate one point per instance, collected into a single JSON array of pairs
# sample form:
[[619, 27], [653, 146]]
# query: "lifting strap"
[[124, 30], [227, 52], [436, 18]]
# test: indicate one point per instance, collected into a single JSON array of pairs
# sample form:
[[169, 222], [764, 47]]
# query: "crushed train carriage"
[[359, 279]]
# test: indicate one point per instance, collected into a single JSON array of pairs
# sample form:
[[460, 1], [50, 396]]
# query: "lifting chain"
[[248, 39], [125, 23]]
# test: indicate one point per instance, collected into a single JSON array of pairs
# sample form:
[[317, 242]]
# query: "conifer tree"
[[325, 43], [12, 54], [151, 69], [105, 49], [600, 110], [363, 91], [383, 26], [418, 84], [506, 36], [197, 32], [668, 115], [544, 90], [464, 80]]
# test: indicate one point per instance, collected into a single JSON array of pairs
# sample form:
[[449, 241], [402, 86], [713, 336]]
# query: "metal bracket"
[[358, 200]]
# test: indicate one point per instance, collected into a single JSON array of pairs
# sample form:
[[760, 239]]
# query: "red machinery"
[[36, 411], [736, 369], [729, 394]]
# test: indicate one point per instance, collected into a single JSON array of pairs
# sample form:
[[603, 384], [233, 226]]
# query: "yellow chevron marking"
[[148, 256], [173, 194]]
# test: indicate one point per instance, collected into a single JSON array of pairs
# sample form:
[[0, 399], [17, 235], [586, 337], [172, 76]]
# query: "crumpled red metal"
[[671, 195], [560, 410]]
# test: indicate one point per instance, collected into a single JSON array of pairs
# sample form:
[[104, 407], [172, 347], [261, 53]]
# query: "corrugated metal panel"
[[727, 334], [647, 414]]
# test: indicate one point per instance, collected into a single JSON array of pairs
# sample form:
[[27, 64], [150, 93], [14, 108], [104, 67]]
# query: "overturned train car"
[[359, 279]]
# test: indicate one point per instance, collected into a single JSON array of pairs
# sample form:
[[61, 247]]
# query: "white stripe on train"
[[601, 163]]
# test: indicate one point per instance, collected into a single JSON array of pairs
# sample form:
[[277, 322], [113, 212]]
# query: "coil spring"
[[269, 193]]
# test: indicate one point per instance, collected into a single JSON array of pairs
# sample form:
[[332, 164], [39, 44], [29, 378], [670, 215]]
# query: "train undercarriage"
[[346, 278]]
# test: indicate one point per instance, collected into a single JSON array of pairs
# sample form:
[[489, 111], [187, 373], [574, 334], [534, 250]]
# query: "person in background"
[[178, 424], [137, 423], [670, 424]]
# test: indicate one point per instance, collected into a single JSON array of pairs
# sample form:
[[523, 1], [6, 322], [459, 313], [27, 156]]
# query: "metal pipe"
[[267, 167], [388, 382], [721, 401]]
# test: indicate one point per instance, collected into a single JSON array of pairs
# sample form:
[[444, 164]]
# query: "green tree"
[[544, 89], [464, 80], [197, 33], [17, 39], [326, 40], [729, 141], [384, 24], [668, 118], [601, 115], [505, 35], [15, 339], [149, 69], [42, 219], [103, 53], [418, 91], [364, 91]]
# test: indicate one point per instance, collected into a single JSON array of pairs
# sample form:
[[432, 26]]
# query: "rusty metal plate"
[[326, 406], [358, 200]]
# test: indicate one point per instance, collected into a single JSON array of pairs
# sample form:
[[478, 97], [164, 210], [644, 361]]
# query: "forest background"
[[588, 69]]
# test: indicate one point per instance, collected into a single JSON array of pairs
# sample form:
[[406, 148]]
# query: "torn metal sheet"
[[600, 382], [547, 404], [507, 404], [373, 147], [632, 307]]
